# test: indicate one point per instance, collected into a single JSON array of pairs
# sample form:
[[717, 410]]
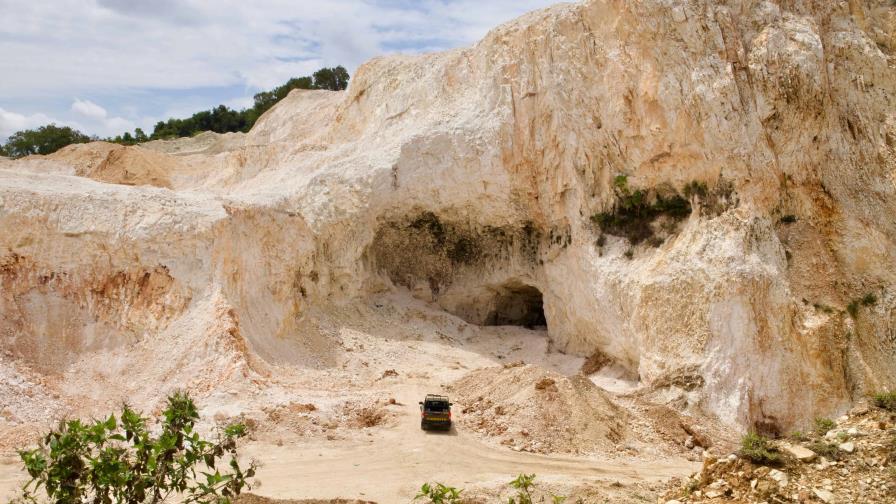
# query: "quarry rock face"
[[702, 193]]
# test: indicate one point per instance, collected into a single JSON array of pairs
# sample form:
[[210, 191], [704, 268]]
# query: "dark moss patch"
[[428, 249], [635, 211]]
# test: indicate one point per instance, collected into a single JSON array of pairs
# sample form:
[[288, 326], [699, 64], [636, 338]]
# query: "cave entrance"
[[519, 305]]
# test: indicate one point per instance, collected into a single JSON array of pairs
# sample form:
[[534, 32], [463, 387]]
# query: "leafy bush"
[[823, 425], [437, 493], [827, 450], [788, 219], [886, 400], [756, 448], [524, 485], [120, 460], [798, 436], [853, 309]]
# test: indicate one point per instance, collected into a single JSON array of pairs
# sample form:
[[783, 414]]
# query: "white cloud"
[[240, 103], [100, 48], [98, 121], [80, 46], [11, 122], [89, 109]]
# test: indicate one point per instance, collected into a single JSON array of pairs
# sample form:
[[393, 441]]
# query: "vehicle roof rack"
[[437, 397]]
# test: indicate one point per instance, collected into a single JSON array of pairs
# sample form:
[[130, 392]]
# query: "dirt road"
[[387, 463], [390, 464]]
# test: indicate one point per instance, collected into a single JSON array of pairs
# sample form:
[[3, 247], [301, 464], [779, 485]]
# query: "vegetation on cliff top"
[[221, 119]]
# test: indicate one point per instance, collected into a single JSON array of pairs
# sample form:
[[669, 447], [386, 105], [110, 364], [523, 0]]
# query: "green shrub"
[[437, 493], [524, 485], [120, 460], [756, 448], [798, 436], [788, 219], [823, 425], [886, 400], [635, 210], [853, 309], [827, 450]]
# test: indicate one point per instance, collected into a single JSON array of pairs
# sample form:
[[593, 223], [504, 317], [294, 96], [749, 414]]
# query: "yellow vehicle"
[[435, 412]]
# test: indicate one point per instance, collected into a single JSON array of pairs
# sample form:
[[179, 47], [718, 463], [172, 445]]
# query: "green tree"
[[121, 460], [267, 99], [334, 79], [222, 119], [44, 140]]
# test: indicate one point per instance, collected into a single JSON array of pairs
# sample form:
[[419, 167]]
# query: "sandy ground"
[[312, 440], [392, 462]]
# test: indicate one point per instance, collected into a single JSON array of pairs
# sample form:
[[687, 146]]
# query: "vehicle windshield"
[[436, 406]]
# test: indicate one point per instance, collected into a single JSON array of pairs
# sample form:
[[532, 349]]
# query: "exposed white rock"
[[848, 446], [469, 178], [780, 477], [800, 453], [825, 495]]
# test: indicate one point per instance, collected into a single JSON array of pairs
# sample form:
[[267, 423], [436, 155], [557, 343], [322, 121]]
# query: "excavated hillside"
[[698, 196]]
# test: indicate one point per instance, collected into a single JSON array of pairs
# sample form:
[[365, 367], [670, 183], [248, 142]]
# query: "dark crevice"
[[519, 305]]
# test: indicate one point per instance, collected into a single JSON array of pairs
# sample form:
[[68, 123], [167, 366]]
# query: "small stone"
[[673, 501], [712, 494], [800, 453], [824, 495], [852, 431], [848, 447], [779, 476], [764, 487]]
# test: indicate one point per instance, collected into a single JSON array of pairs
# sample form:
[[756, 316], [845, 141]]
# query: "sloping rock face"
[[700, 191]]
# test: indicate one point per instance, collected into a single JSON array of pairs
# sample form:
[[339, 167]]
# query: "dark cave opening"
[[519, 305]]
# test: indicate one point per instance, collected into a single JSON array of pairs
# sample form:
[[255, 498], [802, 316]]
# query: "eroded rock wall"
[[467, 175]]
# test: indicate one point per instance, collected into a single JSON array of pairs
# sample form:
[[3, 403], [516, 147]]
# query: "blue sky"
[[108, 66]]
